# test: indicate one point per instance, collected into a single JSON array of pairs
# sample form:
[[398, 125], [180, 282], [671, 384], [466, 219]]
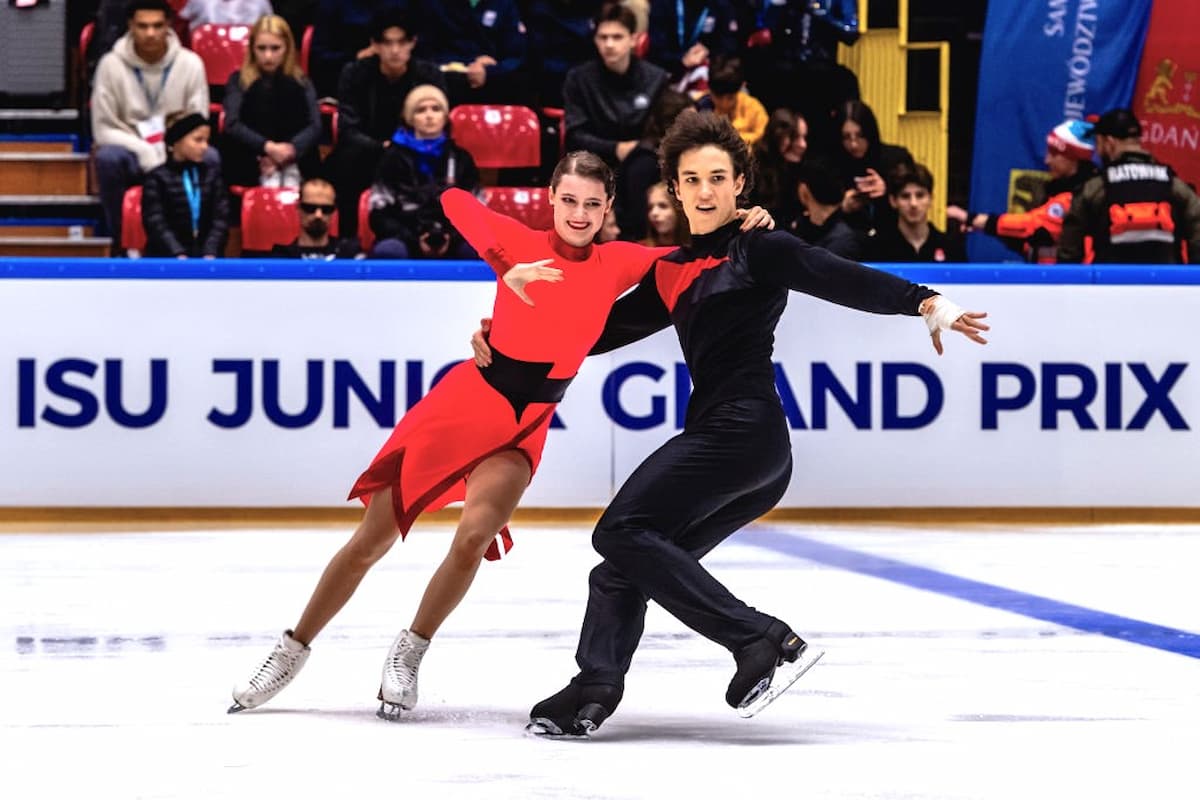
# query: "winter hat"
[[426, 91], [1119, 123], [1072, 139], [183, 126]]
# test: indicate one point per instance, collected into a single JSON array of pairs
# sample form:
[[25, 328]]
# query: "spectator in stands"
[[866, 165], [560, 37], [146, 77], [318, 202], [914, 237], [777, 158], [727, 96], [791, 61], [640, 170], [229, 12], [342, 33], [1034, 233], [185, 208], [610, 231], [607, 105], [371, 100], [480, 45], [406, 208], [272, 124], [1137, 211], [685, 34], [822, 222], [666, 226]]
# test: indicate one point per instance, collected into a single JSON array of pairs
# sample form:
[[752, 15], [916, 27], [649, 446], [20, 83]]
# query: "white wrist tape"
[[941, 314]]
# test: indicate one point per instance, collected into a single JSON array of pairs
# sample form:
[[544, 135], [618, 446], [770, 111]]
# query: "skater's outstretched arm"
[[484, 229]]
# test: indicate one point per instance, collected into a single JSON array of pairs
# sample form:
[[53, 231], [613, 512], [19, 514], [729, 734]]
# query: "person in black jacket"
[[608, 103], [370, 99], [184, 206], [866, 163], [822, 223], [685, 35], [480, 46], [272, 125], [316, 207], [406, 209], [914, 238]]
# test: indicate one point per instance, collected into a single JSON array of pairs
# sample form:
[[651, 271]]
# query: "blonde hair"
[[276, 26]]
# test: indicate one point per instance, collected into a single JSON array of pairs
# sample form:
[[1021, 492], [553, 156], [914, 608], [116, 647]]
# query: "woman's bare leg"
[[374, 536], [493, 491]]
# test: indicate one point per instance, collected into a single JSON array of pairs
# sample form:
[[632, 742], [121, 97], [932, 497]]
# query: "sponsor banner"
[[1167, 98], [278, 393], [1044, 61]]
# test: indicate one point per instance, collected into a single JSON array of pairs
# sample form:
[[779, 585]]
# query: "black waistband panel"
[[523, 382]]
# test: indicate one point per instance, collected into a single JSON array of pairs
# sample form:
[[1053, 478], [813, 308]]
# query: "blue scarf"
[[428, 151]]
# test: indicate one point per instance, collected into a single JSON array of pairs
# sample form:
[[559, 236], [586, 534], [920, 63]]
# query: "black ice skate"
[[575, 711], [767, 668]]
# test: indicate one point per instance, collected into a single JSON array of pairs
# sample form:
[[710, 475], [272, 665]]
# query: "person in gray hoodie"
[[146, 77]]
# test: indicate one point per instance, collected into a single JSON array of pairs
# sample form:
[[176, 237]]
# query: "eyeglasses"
[[312, 208]]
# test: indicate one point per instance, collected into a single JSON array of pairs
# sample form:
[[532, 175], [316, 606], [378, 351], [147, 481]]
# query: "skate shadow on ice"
[[508, 718]]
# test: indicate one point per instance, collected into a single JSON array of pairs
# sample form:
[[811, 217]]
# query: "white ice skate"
[[398, 687], [785, 675], [274, 673]]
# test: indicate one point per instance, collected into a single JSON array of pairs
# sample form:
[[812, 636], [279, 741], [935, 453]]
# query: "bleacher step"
[[51, 246], [49, 173], [68, 229], [85, 207]]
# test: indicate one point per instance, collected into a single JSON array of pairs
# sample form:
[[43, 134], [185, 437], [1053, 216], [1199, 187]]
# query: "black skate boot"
[[574, 711], [755, 683]]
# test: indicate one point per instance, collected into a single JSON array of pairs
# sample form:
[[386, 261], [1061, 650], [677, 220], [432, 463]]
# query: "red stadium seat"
[[270, 217], [306, 48], [641, 44], [497, 136], [366, 236], [527, 204], [222, 48], [133, 233]]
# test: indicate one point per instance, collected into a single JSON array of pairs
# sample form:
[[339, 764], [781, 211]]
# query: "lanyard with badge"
[[153, 129], [191, 187], [679, 25]]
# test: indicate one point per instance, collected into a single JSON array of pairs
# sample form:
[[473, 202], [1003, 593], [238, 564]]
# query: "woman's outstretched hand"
[[942, 315], [524, 274]]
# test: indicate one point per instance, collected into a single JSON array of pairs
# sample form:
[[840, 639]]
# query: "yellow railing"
[[880, 60]]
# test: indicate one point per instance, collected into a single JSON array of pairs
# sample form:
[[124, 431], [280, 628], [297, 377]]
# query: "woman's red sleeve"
[[484, 229]]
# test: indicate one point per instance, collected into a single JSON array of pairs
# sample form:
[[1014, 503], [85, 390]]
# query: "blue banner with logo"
[[1044, 61]]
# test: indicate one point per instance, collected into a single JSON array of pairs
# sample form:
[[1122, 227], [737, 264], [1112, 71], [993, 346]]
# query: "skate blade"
[[391, 712], [236, 707], [784, 677], [543, 728]]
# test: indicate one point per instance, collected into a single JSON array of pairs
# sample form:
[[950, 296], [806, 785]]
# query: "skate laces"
[[277, 669], [406, 659]]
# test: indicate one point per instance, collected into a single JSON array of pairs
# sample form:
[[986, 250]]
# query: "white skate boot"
[[274, 673], [398, 689]]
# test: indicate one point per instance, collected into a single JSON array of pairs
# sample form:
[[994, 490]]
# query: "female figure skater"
[[724, 293], [478, 435]]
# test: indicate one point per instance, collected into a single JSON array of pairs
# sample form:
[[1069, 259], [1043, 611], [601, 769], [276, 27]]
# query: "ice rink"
[[974, 662]]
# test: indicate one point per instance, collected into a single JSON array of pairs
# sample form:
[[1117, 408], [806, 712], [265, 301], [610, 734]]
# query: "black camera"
[[435, 234]]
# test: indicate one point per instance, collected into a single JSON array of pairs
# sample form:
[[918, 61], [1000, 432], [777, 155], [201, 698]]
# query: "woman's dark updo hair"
[[585, 165]]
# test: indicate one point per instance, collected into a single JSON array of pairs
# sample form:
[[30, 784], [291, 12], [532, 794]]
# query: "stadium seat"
[[366, 236], [270, 217], [497, 136], [306, 48], [222, 48], [133, 233], [527, 204], [641, 44]]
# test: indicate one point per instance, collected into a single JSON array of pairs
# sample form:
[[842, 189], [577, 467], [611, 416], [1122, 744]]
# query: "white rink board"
[[55, 452]]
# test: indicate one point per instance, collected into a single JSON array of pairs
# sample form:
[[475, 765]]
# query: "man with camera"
[[421, 162]]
